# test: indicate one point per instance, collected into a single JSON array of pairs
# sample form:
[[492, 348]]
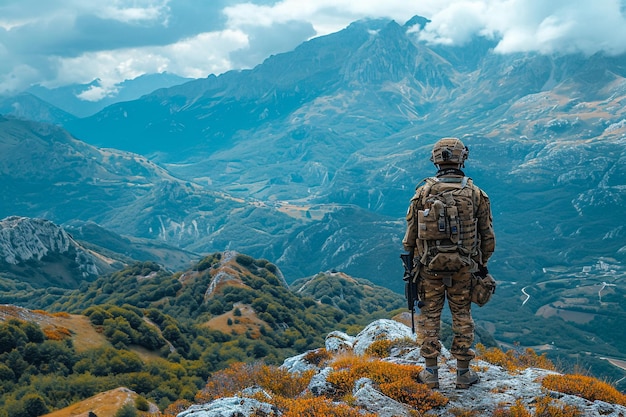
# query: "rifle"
[[410, 287]]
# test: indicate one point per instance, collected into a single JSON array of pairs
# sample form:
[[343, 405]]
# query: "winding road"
[[526, 294]]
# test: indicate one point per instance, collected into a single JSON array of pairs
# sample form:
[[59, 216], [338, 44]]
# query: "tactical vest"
[[447, 224]]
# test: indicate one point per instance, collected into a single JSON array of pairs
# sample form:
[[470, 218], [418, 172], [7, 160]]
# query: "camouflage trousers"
[[434, 295]]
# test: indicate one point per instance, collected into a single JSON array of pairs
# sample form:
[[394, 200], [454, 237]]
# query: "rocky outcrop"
[[41, 243], [23, 239], [498, 387]]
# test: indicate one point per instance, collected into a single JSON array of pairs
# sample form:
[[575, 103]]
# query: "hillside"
[[157, 333], [106, 404], [351, 294]]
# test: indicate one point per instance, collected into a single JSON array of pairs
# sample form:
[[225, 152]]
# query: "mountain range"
[[309, 160], [60, 104]]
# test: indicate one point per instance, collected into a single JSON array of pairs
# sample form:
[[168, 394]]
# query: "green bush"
[[127, 410], [142, 404]]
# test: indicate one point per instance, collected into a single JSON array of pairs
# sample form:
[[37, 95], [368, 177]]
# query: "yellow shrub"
[[412, 393], [348, 369], [281, 382], [544, 407], [317, 357], [176, 408], [585, 387], [517, 410], [317, 407], [42, 312], [379, 348], [396, 381], [225, 383], [513, 360], [238, 376], [56, 333]]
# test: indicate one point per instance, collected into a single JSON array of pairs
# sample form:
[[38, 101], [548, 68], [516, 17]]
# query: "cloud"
[[194, 57], [76, 41], [51, 41], [556, 26]]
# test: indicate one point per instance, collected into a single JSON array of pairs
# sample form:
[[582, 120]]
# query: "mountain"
[[75, 99], [27, 106], [42, 254], [46, 173], [352, 295], [310, 159], [129, 248], [348, 120]]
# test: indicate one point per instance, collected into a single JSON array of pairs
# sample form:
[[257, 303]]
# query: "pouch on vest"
[[482, 289], [448, 259]]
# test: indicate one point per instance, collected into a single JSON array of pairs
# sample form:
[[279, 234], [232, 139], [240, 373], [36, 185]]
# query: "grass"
[[105, 404]]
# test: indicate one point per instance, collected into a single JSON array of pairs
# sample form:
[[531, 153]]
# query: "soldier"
[[450, 236]]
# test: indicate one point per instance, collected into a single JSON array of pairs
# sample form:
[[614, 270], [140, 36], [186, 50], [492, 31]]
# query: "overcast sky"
[[58, 42]]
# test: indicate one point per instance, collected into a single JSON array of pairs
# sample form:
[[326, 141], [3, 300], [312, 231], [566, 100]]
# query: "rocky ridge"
[[25, 240], [498, 388]]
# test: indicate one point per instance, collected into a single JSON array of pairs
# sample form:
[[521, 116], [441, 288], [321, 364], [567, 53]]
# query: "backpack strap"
[[425, 190]]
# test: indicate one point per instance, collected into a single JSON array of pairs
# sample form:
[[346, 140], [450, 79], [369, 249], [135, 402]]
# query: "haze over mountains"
[[309, 160]]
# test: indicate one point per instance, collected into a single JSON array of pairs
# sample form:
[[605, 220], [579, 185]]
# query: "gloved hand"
[[482, 271]]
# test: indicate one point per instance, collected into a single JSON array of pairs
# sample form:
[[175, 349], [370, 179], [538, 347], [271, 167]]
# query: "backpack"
[[447, 226]]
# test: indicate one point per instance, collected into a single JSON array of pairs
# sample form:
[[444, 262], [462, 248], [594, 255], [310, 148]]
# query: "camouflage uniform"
[[456, 288]]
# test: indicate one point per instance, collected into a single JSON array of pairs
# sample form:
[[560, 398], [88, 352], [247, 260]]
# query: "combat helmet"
[[449, 151]]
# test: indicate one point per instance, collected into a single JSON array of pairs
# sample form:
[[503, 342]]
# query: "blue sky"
[[59, 42]]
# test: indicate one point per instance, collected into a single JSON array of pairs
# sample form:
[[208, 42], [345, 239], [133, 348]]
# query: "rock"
[[231, 407], [23, 239], [319, 384], [368, 397], [338, 342], [381, 329], [298, 363]]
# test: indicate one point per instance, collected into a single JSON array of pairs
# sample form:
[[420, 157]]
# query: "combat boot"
[[429, 377], [430, 374], [465, 377]]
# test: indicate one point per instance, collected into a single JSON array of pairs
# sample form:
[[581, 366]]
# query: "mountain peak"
[[418, 21]]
